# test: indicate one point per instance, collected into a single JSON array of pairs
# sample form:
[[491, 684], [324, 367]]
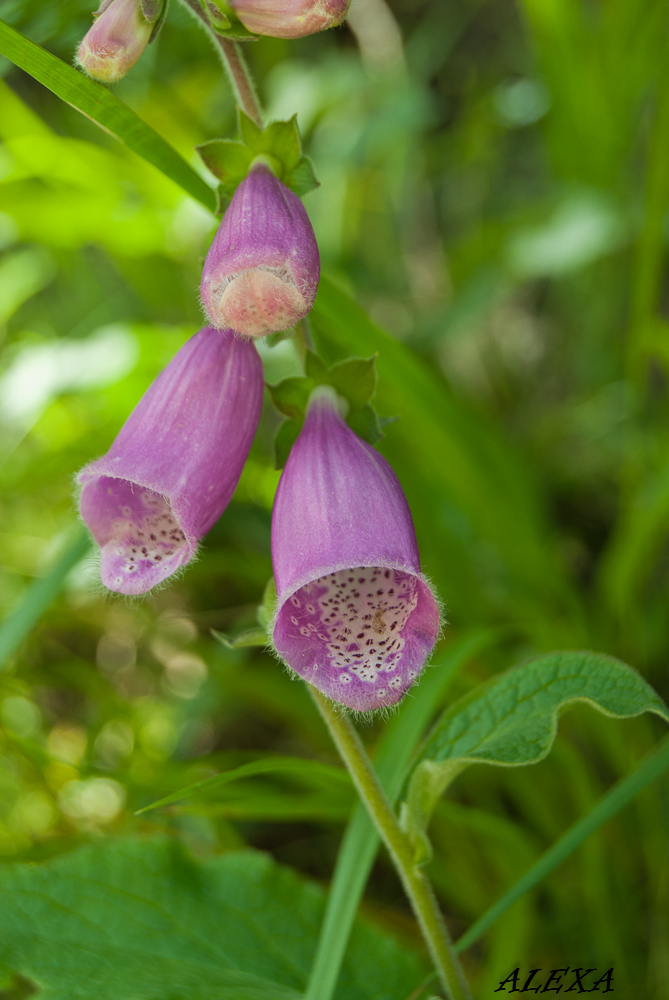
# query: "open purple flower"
[[175, 464], [290, 18], [262, 269], [355, 616]]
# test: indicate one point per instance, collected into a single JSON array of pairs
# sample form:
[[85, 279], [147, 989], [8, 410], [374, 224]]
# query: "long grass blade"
[[653, 765], [309, 769], [361, 841], [38, 597], [105, 109]]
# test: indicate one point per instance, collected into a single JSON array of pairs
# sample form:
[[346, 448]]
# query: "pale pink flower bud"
[[121, 31], [290, 18], [262, 269]]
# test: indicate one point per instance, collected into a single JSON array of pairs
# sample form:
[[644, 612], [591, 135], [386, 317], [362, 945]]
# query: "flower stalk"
[[240, 78], [416, 885]]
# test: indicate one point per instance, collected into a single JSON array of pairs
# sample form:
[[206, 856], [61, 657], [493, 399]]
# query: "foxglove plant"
[[290, 18], [261, 273], [121, 31], [175, 464], [355, 617]]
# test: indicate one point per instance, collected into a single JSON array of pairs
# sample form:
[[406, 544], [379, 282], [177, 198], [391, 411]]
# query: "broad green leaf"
[[512, 720], [295, 766], [104, 108], [140, 918]]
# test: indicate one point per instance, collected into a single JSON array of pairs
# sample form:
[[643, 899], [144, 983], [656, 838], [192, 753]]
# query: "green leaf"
[[142, 918], [512, 720], [291, 765], [285, 438], [249, 637], [105, 109], [653, 765], [302, 179]]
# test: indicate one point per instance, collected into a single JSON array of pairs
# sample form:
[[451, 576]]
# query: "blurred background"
[[494, 192]]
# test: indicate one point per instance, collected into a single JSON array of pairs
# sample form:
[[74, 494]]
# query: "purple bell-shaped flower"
[[290, 18], [262, 269], [174, 466], [355, 617]]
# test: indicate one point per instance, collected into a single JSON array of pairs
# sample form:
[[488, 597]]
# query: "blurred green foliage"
[[494, 192]]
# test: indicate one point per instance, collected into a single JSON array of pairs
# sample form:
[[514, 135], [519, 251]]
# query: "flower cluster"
[[354, 615]]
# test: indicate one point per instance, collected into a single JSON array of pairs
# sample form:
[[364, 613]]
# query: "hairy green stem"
[[416, 885], [240, 78]]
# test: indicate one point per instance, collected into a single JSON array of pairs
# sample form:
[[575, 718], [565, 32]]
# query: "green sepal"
[[281, 145], [286, 436], [154, 11], [229, 161], [291, 396], [249, 637], [354, 379], [266, 609], [223, 20], [302, 179]]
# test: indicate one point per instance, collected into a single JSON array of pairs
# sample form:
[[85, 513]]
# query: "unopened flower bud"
[[121, 31], [355, 617], [262, 269], [290, 18], [174, 466]]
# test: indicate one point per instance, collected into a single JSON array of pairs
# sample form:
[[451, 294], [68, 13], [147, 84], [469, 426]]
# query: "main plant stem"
[[416, 885], [240, 78]]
